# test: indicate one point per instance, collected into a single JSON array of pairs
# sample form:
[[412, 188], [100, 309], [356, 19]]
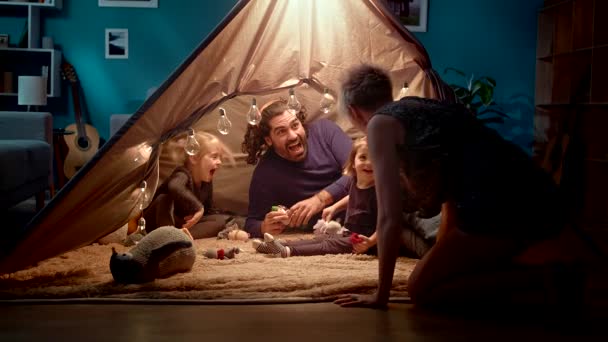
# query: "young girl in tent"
[[361, 214], [184, 200]]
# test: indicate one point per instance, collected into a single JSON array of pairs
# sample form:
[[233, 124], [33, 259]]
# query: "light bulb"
[[192, 146], [254, 116], [327, 101], [142, 152], [143, 197], [223, 124], [293, 104], [403, 92], [141, 225]]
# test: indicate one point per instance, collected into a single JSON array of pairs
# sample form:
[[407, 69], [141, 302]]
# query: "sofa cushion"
[[23, 161]]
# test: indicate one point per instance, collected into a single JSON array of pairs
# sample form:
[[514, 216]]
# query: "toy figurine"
[[329, 228], [233, 232], [222, 254], [282, 209]]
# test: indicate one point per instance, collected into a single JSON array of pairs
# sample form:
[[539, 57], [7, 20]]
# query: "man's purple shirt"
[[277, 181]]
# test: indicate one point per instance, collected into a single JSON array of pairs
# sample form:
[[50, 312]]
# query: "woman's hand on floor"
[[360, 301]]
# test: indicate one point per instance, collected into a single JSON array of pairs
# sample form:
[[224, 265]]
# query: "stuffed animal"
[[329, 228], [161, 253], [221, 253], [281, 209], [233, 232]]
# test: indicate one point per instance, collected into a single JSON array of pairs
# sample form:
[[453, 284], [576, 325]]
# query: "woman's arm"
[[384, 134], [448, 221]]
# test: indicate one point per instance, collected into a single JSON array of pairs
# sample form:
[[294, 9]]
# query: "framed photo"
[[411, 13], [117, 43], [128, 3], [3, 40]]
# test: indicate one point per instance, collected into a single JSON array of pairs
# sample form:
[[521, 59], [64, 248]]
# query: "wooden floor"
[[286, 322]]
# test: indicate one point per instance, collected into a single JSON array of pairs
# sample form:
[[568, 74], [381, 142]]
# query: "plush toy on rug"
[[161, 253], [222, 254], [233, 232], [329, 228]]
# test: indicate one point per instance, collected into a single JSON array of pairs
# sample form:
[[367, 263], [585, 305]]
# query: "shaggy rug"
[[85, 273]]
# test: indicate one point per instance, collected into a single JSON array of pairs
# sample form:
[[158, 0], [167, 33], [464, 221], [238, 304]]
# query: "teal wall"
[[159, 40], [495, 38]]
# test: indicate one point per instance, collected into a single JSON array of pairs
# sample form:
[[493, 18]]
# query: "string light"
[[254, 116], [192, 146], [404, 90], [223, 124], [143, 199], [327, 101], [139, 153], [293, 104]]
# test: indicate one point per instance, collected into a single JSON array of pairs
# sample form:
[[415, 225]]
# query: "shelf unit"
[[15, 62], [571, 120]]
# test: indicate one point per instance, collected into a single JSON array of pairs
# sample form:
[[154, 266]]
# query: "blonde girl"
[[184, 200]]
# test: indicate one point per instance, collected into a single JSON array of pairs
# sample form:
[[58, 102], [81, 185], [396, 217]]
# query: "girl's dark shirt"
[[187, 198], [362, 210]]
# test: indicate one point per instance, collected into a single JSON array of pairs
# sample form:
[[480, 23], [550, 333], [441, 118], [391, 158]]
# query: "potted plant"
[[478, 97]]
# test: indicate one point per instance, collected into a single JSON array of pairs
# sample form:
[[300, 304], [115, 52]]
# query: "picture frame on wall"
[[128, 3], [411, 13], [117, 43], [4, 40]]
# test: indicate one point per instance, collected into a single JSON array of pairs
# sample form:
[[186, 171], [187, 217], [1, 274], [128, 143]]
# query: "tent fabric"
[[262, 48]]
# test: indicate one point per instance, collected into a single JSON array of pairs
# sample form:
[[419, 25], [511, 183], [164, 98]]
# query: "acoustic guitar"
[[83, 145]]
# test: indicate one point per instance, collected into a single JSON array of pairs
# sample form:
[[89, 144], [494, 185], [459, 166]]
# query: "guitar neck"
[[77, 110]]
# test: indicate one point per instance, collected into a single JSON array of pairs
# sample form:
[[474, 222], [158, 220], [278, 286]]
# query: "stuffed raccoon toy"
[[161, 253]]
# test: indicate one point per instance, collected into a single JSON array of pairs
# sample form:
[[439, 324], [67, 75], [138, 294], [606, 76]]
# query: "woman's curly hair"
[[254, 143]]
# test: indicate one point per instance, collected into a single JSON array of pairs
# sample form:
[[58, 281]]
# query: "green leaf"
[[467, 100], [485, 94], [461, 92], [476, 87]]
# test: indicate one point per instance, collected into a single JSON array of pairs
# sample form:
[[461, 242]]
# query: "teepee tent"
[[261, 49]]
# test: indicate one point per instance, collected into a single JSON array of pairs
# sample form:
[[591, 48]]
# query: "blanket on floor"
[[85, 273]]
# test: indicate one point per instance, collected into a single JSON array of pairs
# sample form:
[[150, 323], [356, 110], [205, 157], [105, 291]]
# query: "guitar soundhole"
[[83, 143]]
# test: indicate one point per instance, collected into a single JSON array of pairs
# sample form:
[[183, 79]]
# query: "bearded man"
[[299, 166]]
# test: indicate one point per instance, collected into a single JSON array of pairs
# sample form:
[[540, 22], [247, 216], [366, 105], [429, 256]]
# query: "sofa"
[[26, 150]]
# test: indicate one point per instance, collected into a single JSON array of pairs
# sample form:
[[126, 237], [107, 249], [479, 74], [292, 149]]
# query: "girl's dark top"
[[362, 210], [495, 186], [187, 198]]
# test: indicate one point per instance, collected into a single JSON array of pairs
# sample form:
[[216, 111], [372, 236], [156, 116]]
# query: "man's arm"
[[259, 205], [384, 133]]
